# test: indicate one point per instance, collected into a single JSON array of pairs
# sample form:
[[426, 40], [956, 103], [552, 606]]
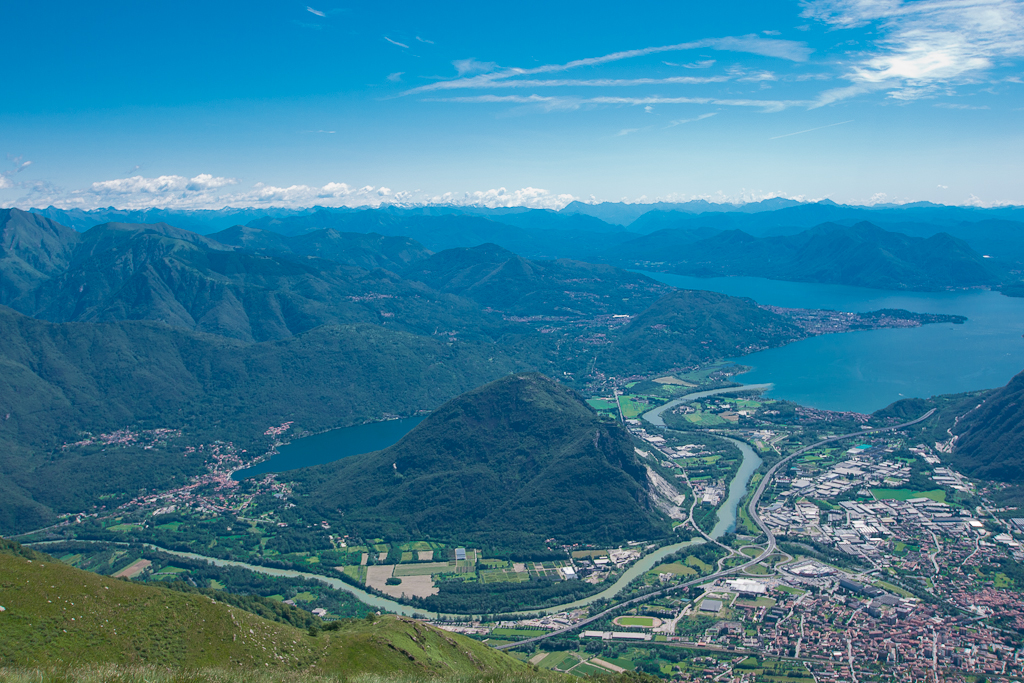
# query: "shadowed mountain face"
[[991, 437], [508, 465], [863, 255]]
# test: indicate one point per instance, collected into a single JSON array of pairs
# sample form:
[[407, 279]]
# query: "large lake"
[[865, 371], [333, 445]]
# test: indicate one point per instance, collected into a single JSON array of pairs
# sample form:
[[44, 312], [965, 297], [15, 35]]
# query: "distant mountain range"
[[612, 232], [863, 255]]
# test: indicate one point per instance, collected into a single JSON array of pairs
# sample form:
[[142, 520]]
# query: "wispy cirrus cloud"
[[595, 82], [703, 64], [395, 42], [555, 103], [752, 44], [810, 130], [926, 46], [679, 122], [17, 166], [315, 11], [472, 66]]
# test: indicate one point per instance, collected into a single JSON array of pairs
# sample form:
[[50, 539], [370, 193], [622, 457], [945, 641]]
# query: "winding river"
[[751, 461], [726, 523]]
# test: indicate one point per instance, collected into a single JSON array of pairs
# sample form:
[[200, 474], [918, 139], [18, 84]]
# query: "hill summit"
[[509, 465]]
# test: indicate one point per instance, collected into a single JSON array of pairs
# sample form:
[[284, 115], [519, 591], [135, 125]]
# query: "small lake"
[[865, 371], [333, 445]]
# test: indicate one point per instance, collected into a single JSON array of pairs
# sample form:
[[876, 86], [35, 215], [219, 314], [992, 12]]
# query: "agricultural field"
[[938, 495], [642, 622]]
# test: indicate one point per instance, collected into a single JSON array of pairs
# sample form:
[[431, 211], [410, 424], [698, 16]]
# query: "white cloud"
[[530, 197], [395, 42], [316, 11], [703, 64], [559, 103], [395, 77], [205, 181], [626, 131], [810, 130], [594, 82], [142, 192], [753, 44], [166, 184], [334, 190], [679, 122], [953, 105], [472, 66], [925, 45], [5, 176], [424, 40]]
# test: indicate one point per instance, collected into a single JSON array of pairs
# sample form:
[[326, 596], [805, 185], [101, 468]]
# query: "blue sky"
[[199, 105]]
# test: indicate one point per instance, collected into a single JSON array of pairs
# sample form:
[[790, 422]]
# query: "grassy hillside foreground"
[[60, 618]]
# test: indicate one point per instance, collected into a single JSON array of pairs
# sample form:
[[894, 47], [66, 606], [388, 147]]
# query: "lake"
[[865, 371], [333, 445]]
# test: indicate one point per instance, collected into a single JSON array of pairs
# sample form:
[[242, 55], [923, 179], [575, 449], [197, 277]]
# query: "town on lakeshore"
[[850, 550]]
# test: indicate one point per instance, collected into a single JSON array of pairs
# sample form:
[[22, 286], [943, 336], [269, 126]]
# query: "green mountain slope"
[[59, 380], [55, 614], [990, 443], [156, 272], [32, 249], [508, 465], [689, 326]]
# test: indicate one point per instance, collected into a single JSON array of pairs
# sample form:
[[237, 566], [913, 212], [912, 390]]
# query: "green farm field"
[[938, 495]]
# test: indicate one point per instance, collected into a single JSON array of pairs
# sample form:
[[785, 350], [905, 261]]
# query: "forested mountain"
[[32, 249], [160, 273], [547, 236], [365, 250], [863, 255], [689, 326], [60, 380], [202, 221], [990, 442], [508, 465], [56, 613], [499, 279]]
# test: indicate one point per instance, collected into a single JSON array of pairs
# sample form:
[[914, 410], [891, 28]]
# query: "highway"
[[752, 508]]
